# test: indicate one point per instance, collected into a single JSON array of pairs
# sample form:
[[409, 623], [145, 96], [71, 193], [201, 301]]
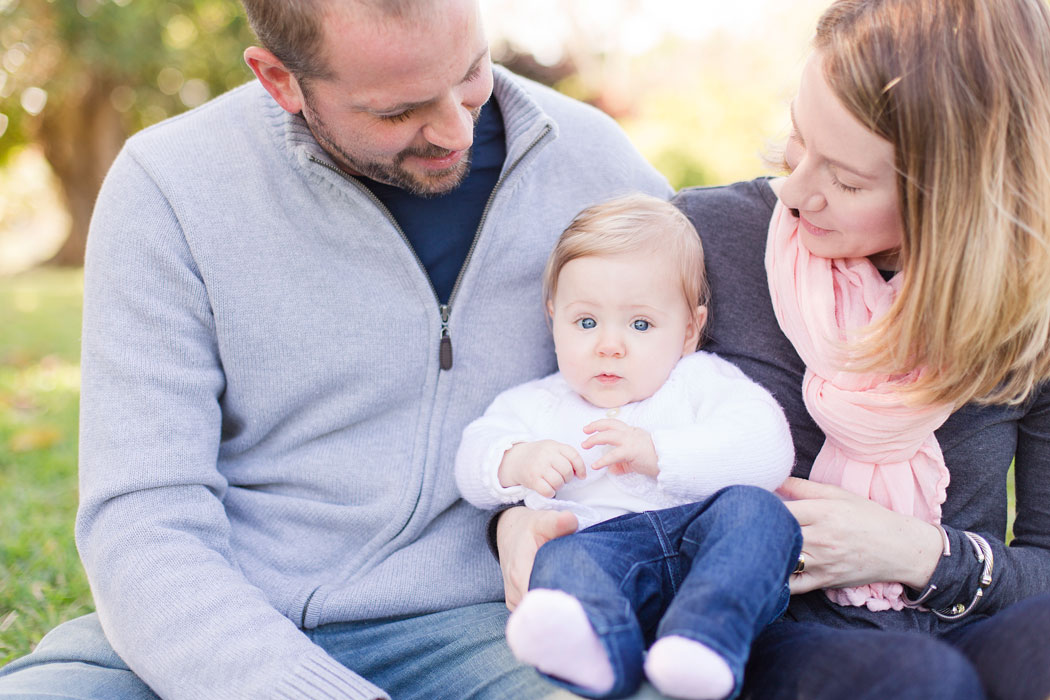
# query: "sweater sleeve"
[[508, 420], [152, 529], [739, 435], [1022, 568]]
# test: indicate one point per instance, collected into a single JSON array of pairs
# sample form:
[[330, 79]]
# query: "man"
[[296, 296]]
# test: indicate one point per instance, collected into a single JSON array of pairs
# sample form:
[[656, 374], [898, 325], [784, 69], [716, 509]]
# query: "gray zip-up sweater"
[[267, 435]]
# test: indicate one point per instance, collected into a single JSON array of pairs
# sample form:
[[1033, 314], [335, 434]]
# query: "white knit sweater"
[[711, 427]]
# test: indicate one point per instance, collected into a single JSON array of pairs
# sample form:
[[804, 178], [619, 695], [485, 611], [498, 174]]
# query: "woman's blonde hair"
[[961, 88], [634, 223]]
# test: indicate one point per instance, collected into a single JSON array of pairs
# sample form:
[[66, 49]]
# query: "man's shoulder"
[[213, 127], [567, 112]]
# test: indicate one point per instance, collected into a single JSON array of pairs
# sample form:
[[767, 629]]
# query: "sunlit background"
[[701, 86]]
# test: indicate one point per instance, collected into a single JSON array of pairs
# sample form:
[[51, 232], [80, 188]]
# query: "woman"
[[910, 243]]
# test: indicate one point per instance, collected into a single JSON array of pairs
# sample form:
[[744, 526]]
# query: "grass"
[[41, 579]]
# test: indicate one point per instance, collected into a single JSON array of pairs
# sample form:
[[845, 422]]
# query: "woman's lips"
[[813, 230]]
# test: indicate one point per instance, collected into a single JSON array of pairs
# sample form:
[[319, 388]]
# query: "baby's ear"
[[693, 331]]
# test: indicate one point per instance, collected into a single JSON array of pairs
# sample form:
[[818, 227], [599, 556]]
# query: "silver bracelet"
[[983, 552], [946, 551]]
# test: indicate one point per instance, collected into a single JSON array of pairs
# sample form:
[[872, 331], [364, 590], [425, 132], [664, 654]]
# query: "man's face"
[[404, 94]]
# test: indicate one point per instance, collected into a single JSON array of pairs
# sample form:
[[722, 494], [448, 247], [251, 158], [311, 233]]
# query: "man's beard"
[[394, 173]]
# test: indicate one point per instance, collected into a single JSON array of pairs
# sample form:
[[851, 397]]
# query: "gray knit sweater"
[[267, 436]]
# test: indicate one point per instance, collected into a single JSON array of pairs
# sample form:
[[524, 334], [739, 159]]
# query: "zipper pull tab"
[[445, 353]]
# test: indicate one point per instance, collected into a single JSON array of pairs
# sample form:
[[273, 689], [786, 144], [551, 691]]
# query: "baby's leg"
[[578, 622], [683, 668], [550, 631], [738, 549]]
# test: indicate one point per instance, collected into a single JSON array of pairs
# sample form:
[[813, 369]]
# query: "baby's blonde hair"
[[634, 223]]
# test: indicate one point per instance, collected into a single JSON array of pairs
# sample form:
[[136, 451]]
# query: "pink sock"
[[683, 668], [550, 631]]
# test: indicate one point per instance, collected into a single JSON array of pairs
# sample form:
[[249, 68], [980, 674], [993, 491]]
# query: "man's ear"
[[693, 331], [275, 78]]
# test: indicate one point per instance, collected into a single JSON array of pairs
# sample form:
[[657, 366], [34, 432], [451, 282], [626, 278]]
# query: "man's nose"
[[451, 127]]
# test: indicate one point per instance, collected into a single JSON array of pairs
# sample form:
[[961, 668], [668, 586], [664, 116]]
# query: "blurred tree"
[[78, 76]]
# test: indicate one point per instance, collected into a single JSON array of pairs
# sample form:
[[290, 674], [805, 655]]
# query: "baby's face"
[[620, 325]]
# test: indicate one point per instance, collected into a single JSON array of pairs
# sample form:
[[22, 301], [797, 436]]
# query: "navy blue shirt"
[[441, 228]]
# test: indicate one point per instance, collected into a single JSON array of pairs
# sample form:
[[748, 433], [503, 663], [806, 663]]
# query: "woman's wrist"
[[927, 544]]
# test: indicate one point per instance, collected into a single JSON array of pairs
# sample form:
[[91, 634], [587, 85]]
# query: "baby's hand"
[[543, 466], [633, 449]]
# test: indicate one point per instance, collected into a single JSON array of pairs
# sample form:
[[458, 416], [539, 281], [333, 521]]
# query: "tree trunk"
[[81, 137]]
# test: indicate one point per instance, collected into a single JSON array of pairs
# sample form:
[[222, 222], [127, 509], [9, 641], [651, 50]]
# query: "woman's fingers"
[[795, 489]]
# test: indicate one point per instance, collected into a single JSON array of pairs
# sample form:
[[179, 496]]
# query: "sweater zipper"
[[445, 349]]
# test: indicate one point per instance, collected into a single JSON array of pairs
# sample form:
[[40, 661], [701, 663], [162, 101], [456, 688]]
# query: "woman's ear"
[[693, 331]]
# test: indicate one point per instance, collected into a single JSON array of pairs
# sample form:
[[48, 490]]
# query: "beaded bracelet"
[[983, 552]]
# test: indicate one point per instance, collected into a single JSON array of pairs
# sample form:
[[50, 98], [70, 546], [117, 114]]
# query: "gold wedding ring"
[[801, 566]]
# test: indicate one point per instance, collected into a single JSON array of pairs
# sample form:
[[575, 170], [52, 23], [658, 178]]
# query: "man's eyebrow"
[[408, 106], [797, 135]]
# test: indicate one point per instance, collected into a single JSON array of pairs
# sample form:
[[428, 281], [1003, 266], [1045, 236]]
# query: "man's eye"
[[395, 118], [640, 324], [587, 323]]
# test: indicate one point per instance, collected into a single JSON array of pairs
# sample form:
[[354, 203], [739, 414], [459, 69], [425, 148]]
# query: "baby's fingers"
[[604, 424], [572, 456], [613, 456], [604, 437]]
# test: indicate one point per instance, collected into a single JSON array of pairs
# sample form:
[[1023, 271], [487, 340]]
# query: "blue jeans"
[[1003, 657], [451, 655], [715, 572]]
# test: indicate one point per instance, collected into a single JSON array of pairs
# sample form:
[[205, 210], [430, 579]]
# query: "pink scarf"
[[876, 446]]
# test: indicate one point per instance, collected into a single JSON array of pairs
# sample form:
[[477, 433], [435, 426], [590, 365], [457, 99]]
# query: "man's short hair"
[[293, 30]]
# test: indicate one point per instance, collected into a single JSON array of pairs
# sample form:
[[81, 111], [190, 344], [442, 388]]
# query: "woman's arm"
[[851, 541]]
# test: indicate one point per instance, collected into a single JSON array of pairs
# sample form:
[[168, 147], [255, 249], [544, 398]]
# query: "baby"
[[665, 454]]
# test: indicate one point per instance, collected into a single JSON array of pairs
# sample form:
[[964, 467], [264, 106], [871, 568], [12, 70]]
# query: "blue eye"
[[640, 324], [586, 323]]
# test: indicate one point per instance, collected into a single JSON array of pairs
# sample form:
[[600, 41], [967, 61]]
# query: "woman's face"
[[843, 181]]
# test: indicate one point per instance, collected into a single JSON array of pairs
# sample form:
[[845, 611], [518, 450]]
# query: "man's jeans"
[[715, 572], [453, 655]]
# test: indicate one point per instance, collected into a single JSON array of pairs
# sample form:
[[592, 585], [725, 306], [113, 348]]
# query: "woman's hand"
[[520, 533], [850, 541]]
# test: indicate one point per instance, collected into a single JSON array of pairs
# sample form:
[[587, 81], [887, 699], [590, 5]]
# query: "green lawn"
[[41, 580]]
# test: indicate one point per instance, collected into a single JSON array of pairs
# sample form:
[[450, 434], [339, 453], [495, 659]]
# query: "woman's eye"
[[586, 323], [640, 324]]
